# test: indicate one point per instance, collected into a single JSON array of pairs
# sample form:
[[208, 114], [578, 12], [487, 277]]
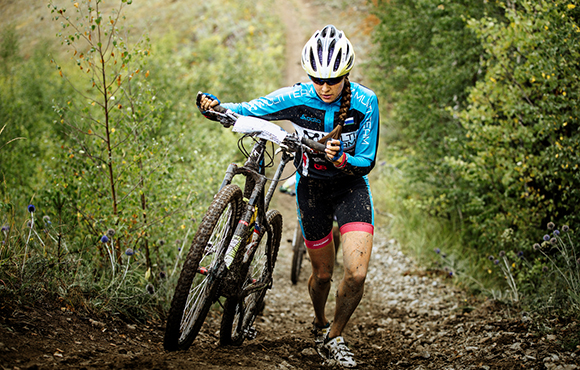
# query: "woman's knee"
[[322, 276], [355, 277]]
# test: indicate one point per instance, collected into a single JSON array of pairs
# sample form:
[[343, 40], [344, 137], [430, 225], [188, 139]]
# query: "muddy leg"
[[356, 249], [320, 280]]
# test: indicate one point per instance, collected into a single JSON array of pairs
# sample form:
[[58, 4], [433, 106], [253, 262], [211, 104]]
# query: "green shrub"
[[521, 160], [483, 122]]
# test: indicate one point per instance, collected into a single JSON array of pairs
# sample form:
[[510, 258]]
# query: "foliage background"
[[229, 50], [483, 137], [479, 146]]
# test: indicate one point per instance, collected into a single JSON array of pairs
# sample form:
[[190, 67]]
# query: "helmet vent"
[[331, 51], [319, 50], [350, 62], [312, 61], [337, 60]]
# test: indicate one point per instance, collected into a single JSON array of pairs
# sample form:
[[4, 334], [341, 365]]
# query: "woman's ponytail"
[[342, 113]]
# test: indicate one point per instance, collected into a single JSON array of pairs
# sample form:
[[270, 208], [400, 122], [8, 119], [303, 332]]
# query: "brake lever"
[[227, 119]]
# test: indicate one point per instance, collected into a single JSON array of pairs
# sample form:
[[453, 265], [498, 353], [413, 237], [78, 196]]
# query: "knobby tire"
[[239, 314], [198, 282]]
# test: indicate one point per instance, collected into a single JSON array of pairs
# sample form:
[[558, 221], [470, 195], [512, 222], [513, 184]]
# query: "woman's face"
[[328, 93]]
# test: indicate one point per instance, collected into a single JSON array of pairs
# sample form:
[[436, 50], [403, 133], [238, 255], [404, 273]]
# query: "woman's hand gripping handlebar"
[[210, 107]]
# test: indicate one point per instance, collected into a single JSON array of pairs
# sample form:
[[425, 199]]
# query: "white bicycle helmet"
[[328, 54]]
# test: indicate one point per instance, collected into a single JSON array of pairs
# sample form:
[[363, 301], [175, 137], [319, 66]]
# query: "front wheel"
[[198, 282], [240, 313]]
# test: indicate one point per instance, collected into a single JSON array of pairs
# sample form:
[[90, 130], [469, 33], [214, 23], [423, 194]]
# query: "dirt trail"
[[407, 319]]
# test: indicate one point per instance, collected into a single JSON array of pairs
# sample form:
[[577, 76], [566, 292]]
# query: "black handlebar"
[[313, 144]]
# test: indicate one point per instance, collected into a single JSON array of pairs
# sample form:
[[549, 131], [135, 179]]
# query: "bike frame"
[[253, 192]]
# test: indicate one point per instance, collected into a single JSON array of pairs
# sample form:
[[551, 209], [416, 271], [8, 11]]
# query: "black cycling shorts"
[[320, 200]]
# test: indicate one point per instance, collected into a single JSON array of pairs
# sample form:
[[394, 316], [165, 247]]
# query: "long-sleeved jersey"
[[314, 118]]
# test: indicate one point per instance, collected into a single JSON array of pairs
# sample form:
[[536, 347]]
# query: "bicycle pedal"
[[251, 333]]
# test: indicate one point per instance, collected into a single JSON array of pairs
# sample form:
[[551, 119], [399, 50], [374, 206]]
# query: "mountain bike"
[[233, 253]]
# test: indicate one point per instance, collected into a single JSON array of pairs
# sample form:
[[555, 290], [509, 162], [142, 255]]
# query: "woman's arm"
[[271, 107]]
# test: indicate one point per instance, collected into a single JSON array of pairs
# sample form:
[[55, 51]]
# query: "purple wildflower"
[[129, 252], [437, 250], [556, 232], [521, 254], [104, 239], [547, 237], [31, 208], [496, 262]]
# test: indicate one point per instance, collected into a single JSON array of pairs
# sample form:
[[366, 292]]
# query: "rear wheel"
[[240, 313], [298, 250], [198, 282]]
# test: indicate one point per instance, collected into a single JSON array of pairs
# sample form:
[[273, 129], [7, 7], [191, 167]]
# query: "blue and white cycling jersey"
[[314, 118]]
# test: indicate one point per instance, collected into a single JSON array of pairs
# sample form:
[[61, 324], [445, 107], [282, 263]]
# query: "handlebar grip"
[[313, 144], [218, 108]]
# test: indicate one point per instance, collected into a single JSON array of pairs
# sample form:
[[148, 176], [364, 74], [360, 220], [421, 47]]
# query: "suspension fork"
[[283, 162], [230, 173], [241, 231]]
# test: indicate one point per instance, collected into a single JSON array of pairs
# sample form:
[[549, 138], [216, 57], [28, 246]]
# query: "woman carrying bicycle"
[[345, 116]]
